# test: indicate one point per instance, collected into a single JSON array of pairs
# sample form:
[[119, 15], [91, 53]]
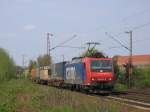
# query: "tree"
[[116, 67], [44, 60], [121, 75], [32, 64], [94, 53], [7, 66]]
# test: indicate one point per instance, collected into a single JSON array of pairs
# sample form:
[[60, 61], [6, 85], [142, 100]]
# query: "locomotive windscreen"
[[101, 66]]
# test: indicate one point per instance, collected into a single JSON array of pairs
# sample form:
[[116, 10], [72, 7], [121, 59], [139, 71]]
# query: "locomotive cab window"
[[101, 66]]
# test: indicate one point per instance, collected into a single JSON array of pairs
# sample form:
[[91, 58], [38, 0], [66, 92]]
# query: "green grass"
[[120, 87], [24, 96]]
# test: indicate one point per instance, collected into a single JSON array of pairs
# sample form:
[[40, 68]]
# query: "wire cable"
[[73, 47], [110, 36], [141, 26], [62, 43]]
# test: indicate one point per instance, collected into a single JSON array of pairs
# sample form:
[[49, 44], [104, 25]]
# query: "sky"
[[24, 24]]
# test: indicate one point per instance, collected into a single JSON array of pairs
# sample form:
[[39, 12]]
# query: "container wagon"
[[57, 74], [33, 74], [42, 74]]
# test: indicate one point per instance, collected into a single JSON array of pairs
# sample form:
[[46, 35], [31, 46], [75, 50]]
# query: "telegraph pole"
[[23, 61], [48, 43], [130, 54], [130, 58], [63, 57]]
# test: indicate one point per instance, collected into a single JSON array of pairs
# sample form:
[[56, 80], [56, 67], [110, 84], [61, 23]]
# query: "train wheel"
[[77, 87]]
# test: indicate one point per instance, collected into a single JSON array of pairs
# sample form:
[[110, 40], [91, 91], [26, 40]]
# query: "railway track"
[[135, 99], [131, 103], [140, 102], [125, 101], [136, 95]]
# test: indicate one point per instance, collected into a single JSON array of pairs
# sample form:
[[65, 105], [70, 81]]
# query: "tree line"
[[7, 66]]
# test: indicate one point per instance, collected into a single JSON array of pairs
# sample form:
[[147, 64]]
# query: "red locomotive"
[[90, 73]]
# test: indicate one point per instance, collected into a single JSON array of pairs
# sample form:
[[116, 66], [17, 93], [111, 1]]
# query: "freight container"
[[33, 74], [58, 71], [45, 73], [75, 73], [37, 74]]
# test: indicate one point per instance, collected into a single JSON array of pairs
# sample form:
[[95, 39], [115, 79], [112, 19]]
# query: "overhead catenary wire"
[[72, 47], [135, 14], [64, 42], [139, 41], [110, 36], [122, 45], [124, 19], [134, 28], [141, 26], [134, 42]]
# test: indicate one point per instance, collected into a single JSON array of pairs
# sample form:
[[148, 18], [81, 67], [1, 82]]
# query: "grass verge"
[[24, 96]]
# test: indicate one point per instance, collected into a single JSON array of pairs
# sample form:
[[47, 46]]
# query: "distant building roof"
[[136, 59]]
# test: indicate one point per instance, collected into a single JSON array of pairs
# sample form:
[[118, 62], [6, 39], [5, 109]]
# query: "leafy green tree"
[[44, 60], [116, 67], [92, 52], [7, 66], [121, 75]]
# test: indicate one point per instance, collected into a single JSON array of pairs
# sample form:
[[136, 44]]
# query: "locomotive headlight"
[[92, 79], [109, 78], [88, 83]]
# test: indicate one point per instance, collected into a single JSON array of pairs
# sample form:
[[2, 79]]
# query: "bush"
[[141, 77], [7, 66], [120, 87]]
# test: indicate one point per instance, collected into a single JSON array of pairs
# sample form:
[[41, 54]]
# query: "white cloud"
[[29, 27]]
